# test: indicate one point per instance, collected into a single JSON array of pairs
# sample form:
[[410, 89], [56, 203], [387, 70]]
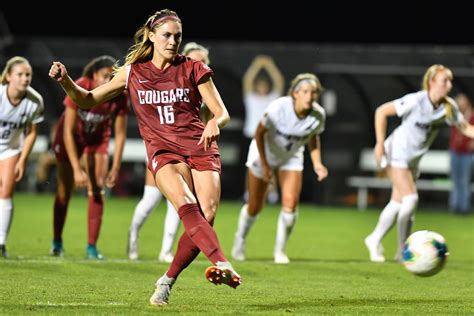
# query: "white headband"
[[311, 81]]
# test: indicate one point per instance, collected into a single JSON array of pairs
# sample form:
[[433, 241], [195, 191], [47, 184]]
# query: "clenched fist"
[[57, 71]]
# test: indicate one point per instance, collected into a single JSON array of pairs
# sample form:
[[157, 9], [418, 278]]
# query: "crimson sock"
[[186, 252], [59, 217], [201, 232], [95, 211]]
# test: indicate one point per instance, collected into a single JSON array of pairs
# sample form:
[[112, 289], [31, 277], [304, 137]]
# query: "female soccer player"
[[422, 113], [85, 134], [21, 111], [167, 90], [288, 124], [152, 196]]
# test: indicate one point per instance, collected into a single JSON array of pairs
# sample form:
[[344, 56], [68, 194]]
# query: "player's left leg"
[[97, 168], [290, 182], [207, 185], [65, 183], [257, 189], [7, 178], [387, 218]]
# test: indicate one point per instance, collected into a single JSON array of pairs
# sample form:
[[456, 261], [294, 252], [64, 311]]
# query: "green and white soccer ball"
[[425, 253]]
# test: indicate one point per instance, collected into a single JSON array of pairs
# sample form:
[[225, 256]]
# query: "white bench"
[[433, 162]]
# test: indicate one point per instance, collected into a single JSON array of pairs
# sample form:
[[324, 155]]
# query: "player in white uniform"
[[422, 113], [289, 123], [21, 109], [152, 196]]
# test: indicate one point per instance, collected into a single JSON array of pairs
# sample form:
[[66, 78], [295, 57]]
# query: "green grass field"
[[329, 271]]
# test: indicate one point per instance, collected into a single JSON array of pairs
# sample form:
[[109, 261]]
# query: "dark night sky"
[[330, 21]]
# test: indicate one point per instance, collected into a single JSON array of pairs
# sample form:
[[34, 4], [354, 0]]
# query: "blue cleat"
[[57, 249], [92, 253]]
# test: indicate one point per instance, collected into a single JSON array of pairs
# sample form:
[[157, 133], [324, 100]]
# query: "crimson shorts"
[[61, 154], [199, 163]]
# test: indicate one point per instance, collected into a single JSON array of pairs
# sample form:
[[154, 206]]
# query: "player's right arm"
[[83, 98], [70, 118], [260, 139], [381, 117]]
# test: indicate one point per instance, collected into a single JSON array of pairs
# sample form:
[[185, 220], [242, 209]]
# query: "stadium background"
[[363, 55]]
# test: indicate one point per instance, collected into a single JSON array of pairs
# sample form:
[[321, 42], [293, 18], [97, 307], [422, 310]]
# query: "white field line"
[[52, 304]]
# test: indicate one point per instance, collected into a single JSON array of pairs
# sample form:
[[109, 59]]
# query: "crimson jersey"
[[93, 126], [167, 104]]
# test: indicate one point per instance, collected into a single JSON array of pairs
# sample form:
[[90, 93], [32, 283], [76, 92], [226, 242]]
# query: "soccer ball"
[[425, 253]]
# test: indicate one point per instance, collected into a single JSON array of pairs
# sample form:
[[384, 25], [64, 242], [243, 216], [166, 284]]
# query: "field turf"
[[329, 271]]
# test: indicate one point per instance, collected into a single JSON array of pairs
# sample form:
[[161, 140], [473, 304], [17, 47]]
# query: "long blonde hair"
[[425, 85], [142, 49], [302, 77], [10, 64]]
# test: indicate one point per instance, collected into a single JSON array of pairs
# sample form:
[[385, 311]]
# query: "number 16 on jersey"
[[166, 114]]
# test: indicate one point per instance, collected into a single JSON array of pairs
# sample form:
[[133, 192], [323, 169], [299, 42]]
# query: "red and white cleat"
[[221, 275]]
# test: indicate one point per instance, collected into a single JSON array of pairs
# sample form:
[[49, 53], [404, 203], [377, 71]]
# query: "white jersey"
[[419, 127], [255, 106], [15, 119], [286, 133]]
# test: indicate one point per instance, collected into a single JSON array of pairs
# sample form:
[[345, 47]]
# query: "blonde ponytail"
[[448, 106]]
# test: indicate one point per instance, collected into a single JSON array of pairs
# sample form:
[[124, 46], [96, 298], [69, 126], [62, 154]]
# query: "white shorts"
[[294, 163], [7, 153], [399, 156]]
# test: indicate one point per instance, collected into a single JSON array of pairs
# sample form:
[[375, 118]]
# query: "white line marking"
[[52, 304]]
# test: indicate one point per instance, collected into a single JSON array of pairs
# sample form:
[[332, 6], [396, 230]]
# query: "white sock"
[[151, 197], [170, 228], [405, 218], [286, 222], [386, 221], [245, 222], [165, 279], [6, 215]]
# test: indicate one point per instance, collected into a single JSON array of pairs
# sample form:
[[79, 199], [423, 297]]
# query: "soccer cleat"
[[57, 249], [3, 250], [238, 250], [166, 257], [162, 290], [223, 274], [375, 250], [281, 258], [93, 254], [132, 246]]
